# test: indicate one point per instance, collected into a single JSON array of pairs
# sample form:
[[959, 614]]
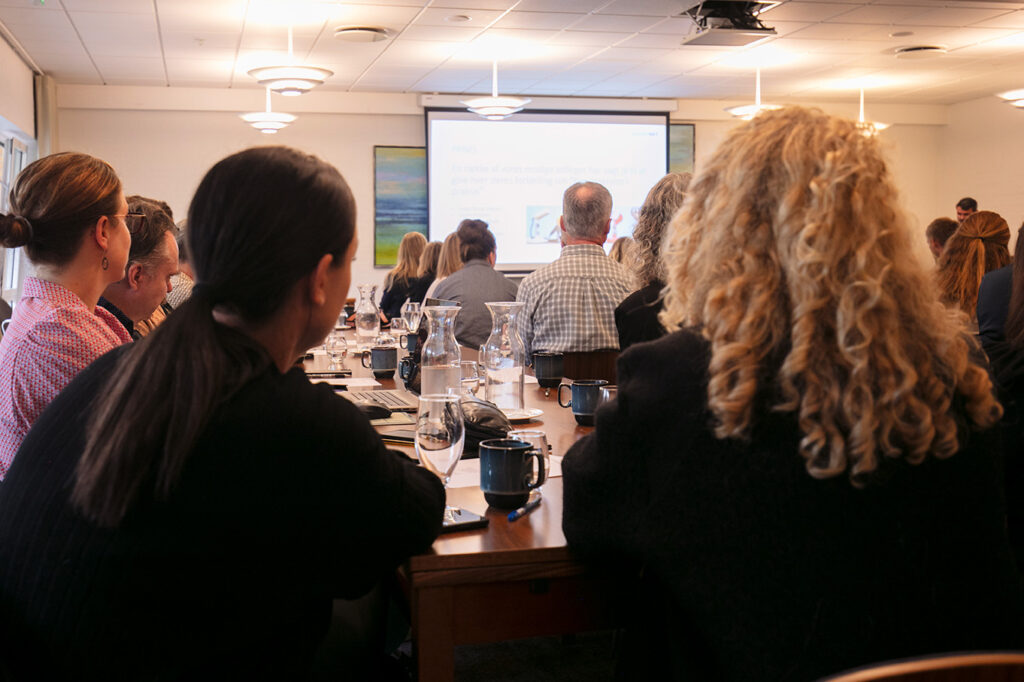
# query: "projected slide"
[[512, 173]]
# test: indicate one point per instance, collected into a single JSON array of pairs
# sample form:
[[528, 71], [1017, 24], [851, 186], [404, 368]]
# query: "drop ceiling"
[[823, 50]]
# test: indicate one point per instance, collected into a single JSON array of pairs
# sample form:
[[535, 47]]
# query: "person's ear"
[[319, 278], [101, 232], [134, 276], [561, 223], [492, 258], [607, 229]]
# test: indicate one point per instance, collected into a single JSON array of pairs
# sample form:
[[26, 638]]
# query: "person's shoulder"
[[1001, 277], [681, 356]]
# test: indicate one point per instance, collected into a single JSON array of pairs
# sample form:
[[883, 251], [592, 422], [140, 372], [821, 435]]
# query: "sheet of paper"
[[351, 382]]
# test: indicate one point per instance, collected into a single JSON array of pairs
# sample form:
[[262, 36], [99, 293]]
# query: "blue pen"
[[525, 509]]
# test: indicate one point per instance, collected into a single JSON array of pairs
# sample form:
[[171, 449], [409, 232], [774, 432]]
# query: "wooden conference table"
[[506, 581]]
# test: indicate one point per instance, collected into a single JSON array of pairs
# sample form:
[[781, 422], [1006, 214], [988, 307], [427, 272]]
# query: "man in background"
[[938, 233], [476, 283], [152, 260], [965, 207], [570, 303]]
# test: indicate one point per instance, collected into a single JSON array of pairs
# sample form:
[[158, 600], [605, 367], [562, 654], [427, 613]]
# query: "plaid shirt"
[[53, 336], [570, 304]]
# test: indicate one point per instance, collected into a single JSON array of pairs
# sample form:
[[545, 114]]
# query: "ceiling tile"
[[805, 11], [201, 15], [1008, 20], [365, 15], [588, 38], [443, 33], [575, 6], [104, 6], [540, 20], [472, 4], [439, 16], [949, 16], [135, 68], [614, 22], [655, 8], [653, 40]]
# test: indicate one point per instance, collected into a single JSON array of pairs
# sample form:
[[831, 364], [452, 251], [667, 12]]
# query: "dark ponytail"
[[260, 220]]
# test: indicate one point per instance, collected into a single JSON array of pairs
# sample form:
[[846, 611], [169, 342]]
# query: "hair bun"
[[15, 231]]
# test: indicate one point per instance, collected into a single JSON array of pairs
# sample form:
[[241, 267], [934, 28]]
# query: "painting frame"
[[399, 198], [681, 147]]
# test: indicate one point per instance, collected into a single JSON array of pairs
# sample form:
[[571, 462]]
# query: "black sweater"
[[752, 569], [288, 500]]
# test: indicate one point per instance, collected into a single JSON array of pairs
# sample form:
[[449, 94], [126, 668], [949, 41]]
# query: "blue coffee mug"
[[506, 472], [586, 395]]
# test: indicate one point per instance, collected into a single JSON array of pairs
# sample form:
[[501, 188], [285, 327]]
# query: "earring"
[[104, 263]]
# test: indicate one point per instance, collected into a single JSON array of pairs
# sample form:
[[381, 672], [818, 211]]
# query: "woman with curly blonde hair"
[[636, 318], [782, 466], [977, 247]]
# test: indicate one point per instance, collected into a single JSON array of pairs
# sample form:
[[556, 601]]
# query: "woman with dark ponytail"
[[69, 213], [203, 502]]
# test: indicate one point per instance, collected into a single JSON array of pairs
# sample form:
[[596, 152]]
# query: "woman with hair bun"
[[801, 476], [193, 502], [977, 247], [70, 214]]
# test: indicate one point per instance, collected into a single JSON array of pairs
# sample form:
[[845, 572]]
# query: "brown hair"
[[790, 256], [978, 246], [409, 251], [249, 252], [475, 240], [940, 230], [661, 204], [55, 202], [148, 232], [428, 259], [449, 260]]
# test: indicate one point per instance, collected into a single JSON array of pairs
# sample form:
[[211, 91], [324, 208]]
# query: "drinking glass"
[[440, 436], [336, 348], [539, 441], [411, 315], [470, 376]]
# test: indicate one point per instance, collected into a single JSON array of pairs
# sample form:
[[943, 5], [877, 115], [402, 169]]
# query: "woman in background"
[[70, 214], [426, 272], [399, 282], [636, 318], [978, 246], [802, 474], [623, 252], [448, 262], [191, 497]]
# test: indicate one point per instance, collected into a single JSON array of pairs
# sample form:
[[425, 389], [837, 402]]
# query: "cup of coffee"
[[586, 395], [383, 361], [507, 473], [549, 368]]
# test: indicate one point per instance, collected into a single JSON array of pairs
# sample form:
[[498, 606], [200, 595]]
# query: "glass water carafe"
[[503, 357], [440, 372], [367, 315]]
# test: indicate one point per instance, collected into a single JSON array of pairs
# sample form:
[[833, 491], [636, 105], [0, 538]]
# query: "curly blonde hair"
[[661, 204], [790, 255], [978, 246]]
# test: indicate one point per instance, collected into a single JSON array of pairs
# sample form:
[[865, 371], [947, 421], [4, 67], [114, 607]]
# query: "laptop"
[[396, 400]]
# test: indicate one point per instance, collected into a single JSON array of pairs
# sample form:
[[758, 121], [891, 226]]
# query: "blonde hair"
[[623, 251], [661, 204], [428, 259], [978, 246], [449, 261], [790, 254], [409, 251]]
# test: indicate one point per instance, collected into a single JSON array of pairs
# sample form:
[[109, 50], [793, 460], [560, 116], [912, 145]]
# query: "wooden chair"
[[595, 364], [992, 666]]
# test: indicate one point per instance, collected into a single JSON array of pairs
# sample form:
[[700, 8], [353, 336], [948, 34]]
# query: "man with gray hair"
[[570, 303]]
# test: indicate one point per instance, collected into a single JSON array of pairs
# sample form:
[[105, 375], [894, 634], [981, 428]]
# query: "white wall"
[[162, 140], [17, 111], [983, 157], [164, 154]]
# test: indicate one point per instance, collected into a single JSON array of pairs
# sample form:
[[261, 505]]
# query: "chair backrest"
[[992, 666], [595, 364]]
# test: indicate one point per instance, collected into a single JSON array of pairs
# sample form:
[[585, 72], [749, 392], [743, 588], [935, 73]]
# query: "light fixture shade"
[[1012, 96], [749, 111], [268, 121], [495, 108], [871, 128], [290, 80]]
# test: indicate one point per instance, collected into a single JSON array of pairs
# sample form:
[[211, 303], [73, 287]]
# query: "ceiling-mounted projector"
[[728, 23]]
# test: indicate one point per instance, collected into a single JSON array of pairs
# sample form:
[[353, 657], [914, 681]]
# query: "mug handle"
[[542, 475], [560, 387], [364, 358]]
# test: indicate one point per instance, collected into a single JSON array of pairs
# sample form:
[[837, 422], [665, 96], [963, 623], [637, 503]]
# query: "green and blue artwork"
[[400, 199]]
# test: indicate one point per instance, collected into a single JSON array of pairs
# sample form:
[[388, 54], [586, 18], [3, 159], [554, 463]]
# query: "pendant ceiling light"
[[869, 128], [1015, 98], [749, 111], [495, 108], [268, 121], [293, 79]]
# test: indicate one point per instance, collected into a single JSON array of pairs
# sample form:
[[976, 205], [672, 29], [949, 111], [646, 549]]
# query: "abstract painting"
[[400, 199]]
